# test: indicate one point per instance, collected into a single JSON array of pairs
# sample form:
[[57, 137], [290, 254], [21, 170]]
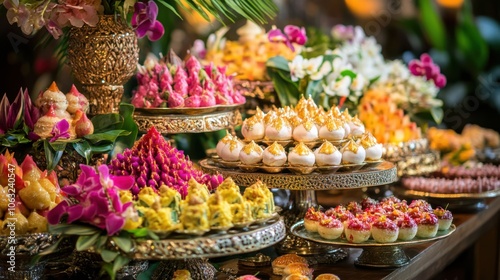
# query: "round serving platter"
[[192, 120], [383, 173], [217, 244], [374, 254]]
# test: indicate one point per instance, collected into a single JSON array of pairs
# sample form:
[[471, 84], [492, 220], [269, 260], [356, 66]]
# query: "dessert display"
[[25, 201], [327, 155], [55, 107], [369, 222], [280, 263], [290, 138], [177, 84], [152, 161], [472, 179]]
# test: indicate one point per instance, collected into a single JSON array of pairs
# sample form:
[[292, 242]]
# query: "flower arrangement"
[[175, 84], [55, 16], [246, 57], [341, 75], [94, 212]]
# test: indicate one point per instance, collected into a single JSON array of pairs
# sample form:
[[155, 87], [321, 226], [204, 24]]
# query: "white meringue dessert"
[[253, 128], [301, 155], [356, 126], [353, 153], [251, 153], [372, 148], [278, 130], [327, 155], [220, 145], [305, 132], [231, 150], [274, 155], [332, 130]]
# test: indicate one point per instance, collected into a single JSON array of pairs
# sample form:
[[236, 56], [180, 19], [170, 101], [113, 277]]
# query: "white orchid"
[[338, 87], [359, 83], [297, 68], [311, 66], [325, 68]]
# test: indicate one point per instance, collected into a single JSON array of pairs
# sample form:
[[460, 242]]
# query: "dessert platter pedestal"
[[188, 120], [303, 196], [377, 255], [184, 251]]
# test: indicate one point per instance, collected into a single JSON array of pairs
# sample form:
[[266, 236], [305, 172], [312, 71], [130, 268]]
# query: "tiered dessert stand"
[[303, 195], [179, 251]]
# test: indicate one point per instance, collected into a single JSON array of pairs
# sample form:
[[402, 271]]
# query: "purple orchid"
[[60, 131], [31, 112], [426, 67], [99, 204], [293, 35], [144, 21]]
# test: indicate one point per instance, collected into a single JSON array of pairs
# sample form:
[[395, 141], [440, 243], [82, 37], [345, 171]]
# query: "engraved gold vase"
[[102, 59]]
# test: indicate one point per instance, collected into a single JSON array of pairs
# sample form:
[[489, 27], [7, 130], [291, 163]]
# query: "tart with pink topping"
[[384, 230], [407, 227], [311, 219], [330, 228], [357, 231], [421, 204], [427, 224], [444, 218]]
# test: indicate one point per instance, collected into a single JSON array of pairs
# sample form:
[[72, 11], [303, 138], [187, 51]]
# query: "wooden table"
[[479, 231]]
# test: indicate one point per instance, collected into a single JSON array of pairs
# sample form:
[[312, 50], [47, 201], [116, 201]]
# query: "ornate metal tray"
[[384, 173], [418, 164], [404, 149], [187, 111], [374, 254], [235, 241], [458, 202], [170, 123]]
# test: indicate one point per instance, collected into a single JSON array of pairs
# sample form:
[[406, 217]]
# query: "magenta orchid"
[[426, 67], [60, 131], [94, 199], [144, 20], [293, 35]]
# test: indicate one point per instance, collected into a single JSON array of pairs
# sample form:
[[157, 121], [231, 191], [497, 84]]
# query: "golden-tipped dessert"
[[223, 142], [372, 148], [301, 155], [231, 150], [306, 132], [251, 153], [253, 128], [353, 153], [274, 155], [356, 126], [332, 130], [278, 130], [327, 155]]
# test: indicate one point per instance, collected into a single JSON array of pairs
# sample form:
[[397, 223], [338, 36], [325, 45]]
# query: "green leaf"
[[58, 146], [139, 232], [432, 24], [52, 157], [348, 73], [288, 93], [110, 136], [278, 62], [119, 262], [84, 242], [108, 255], [314, 88], [51, 249], [122, 142], [106, 122], [123, 242], [471, 44], [170, 7], [83, 148], [437, 114], [72, 229]]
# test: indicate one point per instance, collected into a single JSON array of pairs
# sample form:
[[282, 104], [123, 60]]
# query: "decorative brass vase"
[[102, 59]]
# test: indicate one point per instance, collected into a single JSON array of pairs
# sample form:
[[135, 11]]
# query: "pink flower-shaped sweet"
[[175, 100], [144, 21]]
